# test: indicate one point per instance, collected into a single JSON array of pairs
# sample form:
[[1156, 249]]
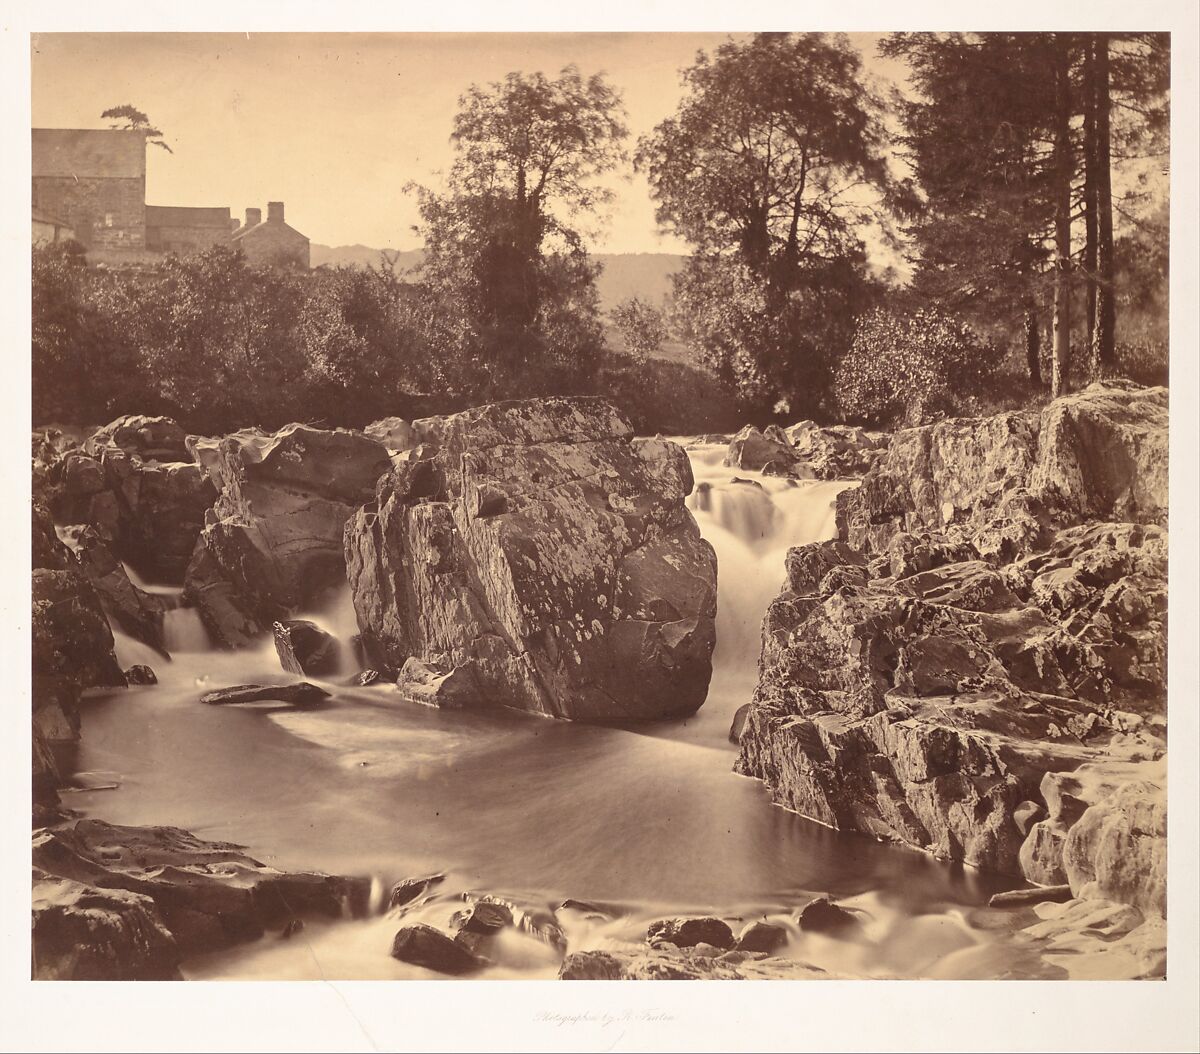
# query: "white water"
[[647, 820]]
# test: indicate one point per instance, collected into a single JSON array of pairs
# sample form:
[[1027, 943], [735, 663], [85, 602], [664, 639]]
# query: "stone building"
[[272, 241], [93, 181], [182, 229], [90, 184]]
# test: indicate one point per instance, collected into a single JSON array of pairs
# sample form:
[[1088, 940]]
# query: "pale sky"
[[334, 125]]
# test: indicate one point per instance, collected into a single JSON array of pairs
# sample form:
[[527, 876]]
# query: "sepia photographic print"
[[623, 505]]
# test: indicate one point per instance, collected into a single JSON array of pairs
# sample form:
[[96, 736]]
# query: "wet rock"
[[291, 928], [56, 707], [686, 933], [366, 678], [81, 933], [431, 685], [1101, 940], [273, 539], [208, 894], [531, 919], [483, 917], [138, 613], [753, 449], [425, 946], [304, 648], [1019, 898], [140, 674], [591, 596], [663, 965], [824, 916], [301, 693], [762, 937], [226, 613], [738, 725], [406, 891], [70, 633]]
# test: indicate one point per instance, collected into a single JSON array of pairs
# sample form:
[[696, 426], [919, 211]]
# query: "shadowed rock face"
[[976, 635], [273, 539], [544, 547]]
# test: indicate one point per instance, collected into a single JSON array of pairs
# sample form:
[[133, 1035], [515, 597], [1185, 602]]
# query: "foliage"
[[913, 368], [508, 303], [130, 117], [641, 325]]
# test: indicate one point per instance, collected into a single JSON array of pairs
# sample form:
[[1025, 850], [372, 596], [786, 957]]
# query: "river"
[[642, 821]]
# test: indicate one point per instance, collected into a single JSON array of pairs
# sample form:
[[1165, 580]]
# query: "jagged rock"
[[431, 686], [208, 894], [837, 451], [665, 965], [70, 633], [393, 433], [686, 933], [48, 551], [304, 648], [531, 919], [824, 916], [81, 933], [138, 613], [762, 937], [140, 674], [299, 694], [273, 539], [738, 725], [544, 545], [410, 888], [46, 780], [753, 449], [424, 946]]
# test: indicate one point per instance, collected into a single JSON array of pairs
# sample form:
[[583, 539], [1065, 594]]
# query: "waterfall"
[[184, 632]]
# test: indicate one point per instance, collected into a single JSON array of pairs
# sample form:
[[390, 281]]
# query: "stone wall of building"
[[182, 230], [94, 181]]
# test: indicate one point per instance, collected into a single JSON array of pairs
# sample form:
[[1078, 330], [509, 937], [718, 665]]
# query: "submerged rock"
[[762, 937], [540, 544], [824, 916], [304, 648], [425, 946], [686, 933], [300, 693], [409, 889], [1020, 898]]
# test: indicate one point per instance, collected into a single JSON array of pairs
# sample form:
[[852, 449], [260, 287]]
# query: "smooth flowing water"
[[645, 820]]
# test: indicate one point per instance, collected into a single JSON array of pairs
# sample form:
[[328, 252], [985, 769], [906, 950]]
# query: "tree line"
[[784, 168]]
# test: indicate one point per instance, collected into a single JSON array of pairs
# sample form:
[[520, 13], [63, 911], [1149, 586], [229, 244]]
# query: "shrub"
[[913, 368]]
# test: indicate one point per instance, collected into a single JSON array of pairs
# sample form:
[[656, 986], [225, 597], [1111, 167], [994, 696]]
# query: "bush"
[[1146, 361], [913, 368]]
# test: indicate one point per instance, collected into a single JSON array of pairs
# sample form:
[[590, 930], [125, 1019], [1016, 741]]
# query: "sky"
[[334, 125]]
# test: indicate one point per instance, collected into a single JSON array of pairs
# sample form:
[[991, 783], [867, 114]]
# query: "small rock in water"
[[293, 927], [306, 649], [483, 917], [140, 674], [1017, 898], [762, 937], [366, 678], [687, 933], [299, 694], [422, 945], [824, 916], [409, 889]]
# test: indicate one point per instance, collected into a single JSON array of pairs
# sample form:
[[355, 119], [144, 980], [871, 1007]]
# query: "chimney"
[[274, 211], [253, 218], [234, 226]]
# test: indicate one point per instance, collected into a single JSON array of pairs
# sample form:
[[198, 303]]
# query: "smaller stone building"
[[48, 230], [272, 241], [182, 229]]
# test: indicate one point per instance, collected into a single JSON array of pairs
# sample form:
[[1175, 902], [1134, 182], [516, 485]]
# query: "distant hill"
[[646, 275]]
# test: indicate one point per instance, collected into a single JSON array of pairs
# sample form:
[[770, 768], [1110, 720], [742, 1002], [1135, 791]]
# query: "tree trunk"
[[1033, 346], [1104, 330], [1060, 373], [1090, 198]]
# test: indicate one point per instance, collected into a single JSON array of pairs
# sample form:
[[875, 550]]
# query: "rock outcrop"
[[134, 900], [977, 663], [71, 637], [272, 541], [542, 547]]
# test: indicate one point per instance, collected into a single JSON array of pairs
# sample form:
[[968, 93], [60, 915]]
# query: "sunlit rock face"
[[541, 547], [991, 620]]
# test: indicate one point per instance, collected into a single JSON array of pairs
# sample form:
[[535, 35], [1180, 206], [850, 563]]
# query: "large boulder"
[[272, 541], [151, 438], [543, 547], [754, 450]]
